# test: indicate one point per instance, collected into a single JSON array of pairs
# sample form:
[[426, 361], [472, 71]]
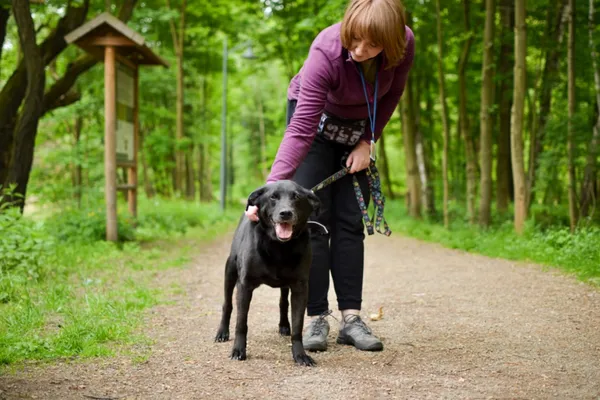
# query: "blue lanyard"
[[374, 114]]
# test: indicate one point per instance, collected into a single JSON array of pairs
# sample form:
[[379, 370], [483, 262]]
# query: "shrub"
[[87, 225], [24, 251]]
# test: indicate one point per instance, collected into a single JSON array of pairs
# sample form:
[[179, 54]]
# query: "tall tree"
[[588, 189], [445, 123], [486, 114], [409, 131], [553, 37], [422, 152], [573, 211], [204, 170], [410, 155], [504, 182], [178, 37], [27, 122], [4, 15], [465, 129], [516, 134], [18, 127], [385, 169]]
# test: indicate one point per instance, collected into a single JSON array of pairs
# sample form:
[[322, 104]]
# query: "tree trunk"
[[206, 194], [429, 143], [27, 122], [573, 211], [445, 123], [204, 174], [588, 190], [17, 141], [516, 136], [464, 119], [190, 173], [230, 165], [14, 91], [385, 169], [554, 34], [427, 193], [487, 103], [178, 36], [262, 137], [4, 15], [408, 134], [504, 182], [148, 187], [179, 128], [77, 169]]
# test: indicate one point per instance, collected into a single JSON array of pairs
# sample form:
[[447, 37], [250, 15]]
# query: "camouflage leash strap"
[[376, 193]]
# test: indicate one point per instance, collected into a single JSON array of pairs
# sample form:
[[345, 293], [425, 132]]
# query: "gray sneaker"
[[315, 337], [358, 334]]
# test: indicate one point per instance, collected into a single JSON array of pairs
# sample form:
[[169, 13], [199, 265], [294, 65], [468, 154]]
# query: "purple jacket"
[[329, 81]]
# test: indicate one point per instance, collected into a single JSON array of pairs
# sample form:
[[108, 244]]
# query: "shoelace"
[[319, 324], [358, 322]]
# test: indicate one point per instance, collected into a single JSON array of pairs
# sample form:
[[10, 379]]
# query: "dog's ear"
[[314, 201], [254, 198]]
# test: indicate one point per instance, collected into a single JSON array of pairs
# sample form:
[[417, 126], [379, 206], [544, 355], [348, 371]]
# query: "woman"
[[338, 105]]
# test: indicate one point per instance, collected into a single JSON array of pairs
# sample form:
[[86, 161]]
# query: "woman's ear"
[[255, 197]]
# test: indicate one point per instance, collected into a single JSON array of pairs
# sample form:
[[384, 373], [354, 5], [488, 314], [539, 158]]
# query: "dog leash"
[[374, 182], [373, 178]]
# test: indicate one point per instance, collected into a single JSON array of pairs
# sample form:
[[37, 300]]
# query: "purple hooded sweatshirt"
[[329, 81]]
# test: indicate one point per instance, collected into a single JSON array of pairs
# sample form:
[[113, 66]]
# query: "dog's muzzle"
[[284, 225]]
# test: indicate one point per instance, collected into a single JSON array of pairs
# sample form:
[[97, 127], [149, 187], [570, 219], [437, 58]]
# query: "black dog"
[[274, 251]]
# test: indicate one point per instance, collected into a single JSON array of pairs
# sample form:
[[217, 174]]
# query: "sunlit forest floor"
[[455, 326]]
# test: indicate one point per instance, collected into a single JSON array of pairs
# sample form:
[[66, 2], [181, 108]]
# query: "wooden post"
[[122, 45], [110, 143], [132, 171]]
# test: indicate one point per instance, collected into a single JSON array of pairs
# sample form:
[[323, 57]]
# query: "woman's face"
[[363, 49]]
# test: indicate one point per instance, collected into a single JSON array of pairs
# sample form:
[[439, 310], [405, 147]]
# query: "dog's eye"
[[275, 196], [295, 196]]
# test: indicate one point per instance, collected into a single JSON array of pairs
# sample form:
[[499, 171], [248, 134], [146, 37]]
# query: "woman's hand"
[[252, 213], [360, 157]]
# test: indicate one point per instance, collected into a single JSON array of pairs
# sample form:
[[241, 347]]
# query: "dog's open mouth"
[[284, 230]]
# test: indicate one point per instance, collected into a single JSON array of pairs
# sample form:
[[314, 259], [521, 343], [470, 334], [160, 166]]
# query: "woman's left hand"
[[360, 157]]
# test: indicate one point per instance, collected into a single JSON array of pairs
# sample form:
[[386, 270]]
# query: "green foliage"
[[160, 218], [577, 253], [24, 249], [87, 225], [92, 292]]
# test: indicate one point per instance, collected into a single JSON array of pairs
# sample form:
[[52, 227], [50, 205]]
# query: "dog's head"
[[284, 208]]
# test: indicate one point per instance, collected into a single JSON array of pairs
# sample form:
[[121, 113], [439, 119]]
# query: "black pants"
[[342, 251]]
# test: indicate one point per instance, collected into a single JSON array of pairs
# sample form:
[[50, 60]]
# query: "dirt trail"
[[455, 326]]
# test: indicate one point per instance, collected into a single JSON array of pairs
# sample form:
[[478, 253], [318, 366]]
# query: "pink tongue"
[[283, 230]]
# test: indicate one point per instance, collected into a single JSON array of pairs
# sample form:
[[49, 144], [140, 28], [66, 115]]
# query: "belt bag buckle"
[[341, 130]]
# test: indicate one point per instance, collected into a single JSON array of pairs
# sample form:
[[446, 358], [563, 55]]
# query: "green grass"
[[86, 296], [577, 253]]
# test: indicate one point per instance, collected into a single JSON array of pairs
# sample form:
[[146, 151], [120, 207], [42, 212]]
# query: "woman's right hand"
[[252, 213]]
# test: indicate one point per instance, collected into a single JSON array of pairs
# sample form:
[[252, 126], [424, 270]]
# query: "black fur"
[[258, 256]]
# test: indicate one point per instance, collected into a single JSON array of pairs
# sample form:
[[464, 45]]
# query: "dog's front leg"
[[299, 300], [244, 296]]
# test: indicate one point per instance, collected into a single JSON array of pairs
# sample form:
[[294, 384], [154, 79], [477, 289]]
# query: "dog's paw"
[[238, 354], [222, 336], [285, 330], [304, 360]]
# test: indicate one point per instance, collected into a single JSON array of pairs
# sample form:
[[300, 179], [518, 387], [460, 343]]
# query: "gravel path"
[[455, 326]]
